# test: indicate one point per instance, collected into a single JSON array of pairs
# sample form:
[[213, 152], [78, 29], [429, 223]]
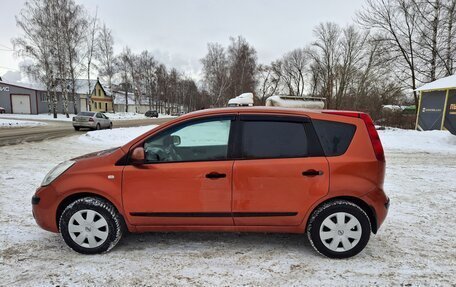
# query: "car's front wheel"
[[91, 225], [339, 229]]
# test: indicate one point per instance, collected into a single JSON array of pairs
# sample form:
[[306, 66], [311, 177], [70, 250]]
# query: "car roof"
[[257, 109]]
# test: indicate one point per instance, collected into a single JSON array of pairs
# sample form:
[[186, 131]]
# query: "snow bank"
[[115, 137], [120, 116], [411, 141], [124, 116], [49, 117], [11, 123], [131, 116]]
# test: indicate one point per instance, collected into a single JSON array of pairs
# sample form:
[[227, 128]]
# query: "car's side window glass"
[[273, 139], [99, 116], [197, 141]]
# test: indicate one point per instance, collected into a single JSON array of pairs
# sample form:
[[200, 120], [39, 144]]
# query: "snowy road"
[[416, 245]]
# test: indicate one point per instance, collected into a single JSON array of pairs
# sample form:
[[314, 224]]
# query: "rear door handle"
[[215, 175], [312, 172]]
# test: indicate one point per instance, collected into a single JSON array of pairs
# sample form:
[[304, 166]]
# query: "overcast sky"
[[177, 32]]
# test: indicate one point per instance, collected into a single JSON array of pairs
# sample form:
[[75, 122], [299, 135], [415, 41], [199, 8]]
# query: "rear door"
[[281, 173]]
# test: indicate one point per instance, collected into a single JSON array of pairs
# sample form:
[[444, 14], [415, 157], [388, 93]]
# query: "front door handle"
[[312, 172], [215, 175]]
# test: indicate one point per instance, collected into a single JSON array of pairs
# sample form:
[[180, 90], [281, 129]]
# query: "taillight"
[[90, 119], [373, 135]]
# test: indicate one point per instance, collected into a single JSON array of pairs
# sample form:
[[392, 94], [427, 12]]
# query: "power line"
[[9, 48]]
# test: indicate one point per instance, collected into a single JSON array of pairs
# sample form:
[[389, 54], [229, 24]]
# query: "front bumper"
[[44, 208]]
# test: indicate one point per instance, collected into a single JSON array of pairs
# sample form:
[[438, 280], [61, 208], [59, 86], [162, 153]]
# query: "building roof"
[[31, 86], [81, 86], [440, 84]]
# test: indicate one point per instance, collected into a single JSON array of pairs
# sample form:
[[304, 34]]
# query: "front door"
[[281, 174], [186, 179]]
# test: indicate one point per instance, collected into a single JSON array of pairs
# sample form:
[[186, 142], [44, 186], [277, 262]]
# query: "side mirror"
[[176, 140], [138, 155]]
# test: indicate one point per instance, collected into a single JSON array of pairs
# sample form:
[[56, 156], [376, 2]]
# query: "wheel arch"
[[359, 202], [75, 196]]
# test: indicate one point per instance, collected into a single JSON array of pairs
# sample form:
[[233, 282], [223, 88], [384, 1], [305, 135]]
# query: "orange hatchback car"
[[232, 169]]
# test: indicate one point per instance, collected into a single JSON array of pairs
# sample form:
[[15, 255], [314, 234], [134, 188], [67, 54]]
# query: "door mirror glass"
[[176, 140]]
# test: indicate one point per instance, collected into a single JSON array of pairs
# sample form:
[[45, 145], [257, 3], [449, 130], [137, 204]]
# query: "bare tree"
[[242, 63], [123, 63], [292, 71], [216, 72], [35, 21], [449, 22], [148, 70], [268, 82], [326, 55], [396, 20], [105, 54], [74, 24], [91, 48]]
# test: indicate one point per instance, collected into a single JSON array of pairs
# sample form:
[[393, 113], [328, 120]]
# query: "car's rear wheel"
[[98, 127], [76, 128], [339, 229], [110, 126], [91, 225]]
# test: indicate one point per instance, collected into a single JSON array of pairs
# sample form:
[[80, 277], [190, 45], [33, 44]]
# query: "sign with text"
[[4, 89]]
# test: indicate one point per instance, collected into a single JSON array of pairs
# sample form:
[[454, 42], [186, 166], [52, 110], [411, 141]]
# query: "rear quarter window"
[[335, 137]]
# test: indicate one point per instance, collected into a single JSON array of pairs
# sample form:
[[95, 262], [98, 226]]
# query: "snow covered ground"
[[113, 116], [132, 116], [47, 117], [11, 123], [415, 246]]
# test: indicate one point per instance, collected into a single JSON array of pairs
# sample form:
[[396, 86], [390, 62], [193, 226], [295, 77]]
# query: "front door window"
[[205, 140]]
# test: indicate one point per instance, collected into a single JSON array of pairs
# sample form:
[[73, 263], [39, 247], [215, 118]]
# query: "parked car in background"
[[91, 120], [2, 110], [177, 114], [239, 169], [151, 114]]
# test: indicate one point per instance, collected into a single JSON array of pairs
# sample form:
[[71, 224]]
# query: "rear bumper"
[[380, 203], [84, 124]]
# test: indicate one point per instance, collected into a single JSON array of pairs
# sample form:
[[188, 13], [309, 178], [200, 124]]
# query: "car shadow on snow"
[[220, 240]]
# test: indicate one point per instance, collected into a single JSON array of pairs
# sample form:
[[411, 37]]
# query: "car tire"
[[76, 128], [91, 225], [339, 229], [110, 126], [98, 127]]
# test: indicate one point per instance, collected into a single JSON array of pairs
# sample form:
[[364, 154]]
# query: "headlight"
[[56, 171]]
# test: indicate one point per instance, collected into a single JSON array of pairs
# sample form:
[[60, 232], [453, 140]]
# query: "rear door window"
[[273, 139], [335, 137]]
